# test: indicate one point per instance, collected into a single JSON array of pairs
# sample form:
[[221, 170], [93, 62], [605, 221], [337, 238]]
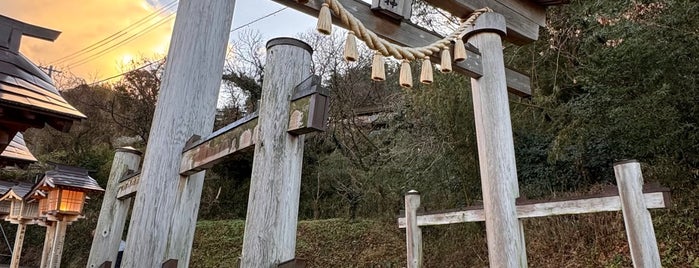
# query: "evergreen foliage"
[[612, 80]]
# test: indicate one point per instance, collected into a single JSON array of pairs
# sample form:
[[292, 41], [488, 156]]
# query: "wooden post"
[[17, 249], [413, 233], [639, 226], [166, 205], [495, 145], [58, 241], [112, 217], [270, 225], [48, 244]]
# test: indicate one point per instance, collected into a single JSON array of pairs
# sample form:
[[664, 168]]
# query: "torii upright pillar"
[[275, 186], [496, 154], [112, 218], [166, 205]]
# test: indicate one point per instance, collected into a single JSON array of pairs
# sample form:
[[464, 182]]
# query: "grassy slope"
[[597, 240]]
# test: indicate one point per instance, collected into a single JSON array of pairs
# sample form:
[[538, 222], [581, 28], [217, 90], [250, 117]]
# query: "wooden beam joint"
[[310, 107]]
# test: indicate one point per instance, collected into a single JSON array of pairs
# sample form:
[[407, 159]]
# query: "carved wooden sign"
[[128, 186], [395, 9]]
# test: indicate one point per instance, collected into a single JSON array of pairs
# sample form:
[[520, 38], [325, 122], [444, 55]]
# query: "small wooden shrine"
[[28, 98], [16, 153]]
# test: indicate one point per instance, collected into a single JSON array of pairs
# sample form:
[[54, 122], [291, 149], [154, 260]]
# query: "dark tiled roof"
[[25, 90], [17, 190], [25, 86], [22, 188], [5, 186], [69, 177], [17, 151]]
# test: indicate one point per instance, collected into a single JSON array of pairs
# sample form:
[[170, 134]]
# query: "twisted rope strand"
[[387, 48]]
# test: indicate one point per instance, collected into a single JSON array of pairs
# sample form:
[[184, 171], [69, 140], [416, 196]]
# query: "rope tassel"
[[330, 8], [325, 22], [426, 71], [406, 75], [378, 72], [351, 53], [459, 50], [445, 66]]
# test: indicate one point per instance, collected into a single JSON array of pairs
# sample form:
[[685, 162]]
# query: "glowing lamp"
[[63, 190], [64, 201]]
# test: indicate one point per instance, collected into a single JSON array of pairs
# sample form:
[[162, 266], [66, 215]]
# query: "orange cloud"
[[83, 23]]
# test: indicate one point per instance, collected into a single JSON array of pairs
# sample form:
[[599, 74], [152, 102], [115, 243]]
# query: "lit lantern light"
[[62, 192], [59, 197]]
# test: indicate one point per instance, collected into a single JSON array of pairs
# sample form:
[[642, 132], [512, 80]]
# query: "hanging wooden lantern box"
[[63, 191], [64, 201]]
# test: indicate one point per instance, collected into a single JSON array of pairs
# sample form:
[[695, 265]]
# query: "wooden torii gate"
[[164, 213], [517, 21], [303, 109]]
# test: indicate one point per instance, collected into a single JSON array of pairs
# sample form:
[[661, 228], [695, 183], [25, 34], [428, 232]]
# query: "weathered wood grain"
[[308, 112], [541, 209], [496, 154], [58, 242], [309, 107], [234, 138], [162, 223], [521, 28], [128, 187], [48, 244], [17, 248], [408, 34], [270, 225], [528, 9], [112, 217], [413, 233], [639, 226]]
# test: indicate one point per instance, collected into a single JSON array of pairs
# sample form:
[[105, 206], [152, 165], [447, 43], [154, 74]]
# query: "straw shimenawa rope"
[[399, 52]]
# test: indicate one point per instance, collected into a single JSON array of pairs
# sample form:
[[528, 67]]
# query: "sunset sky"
[[83, 23]]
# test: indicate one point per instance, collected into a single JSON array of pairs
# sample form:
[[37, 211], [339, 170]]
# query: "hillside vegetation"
[[611, 80]]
